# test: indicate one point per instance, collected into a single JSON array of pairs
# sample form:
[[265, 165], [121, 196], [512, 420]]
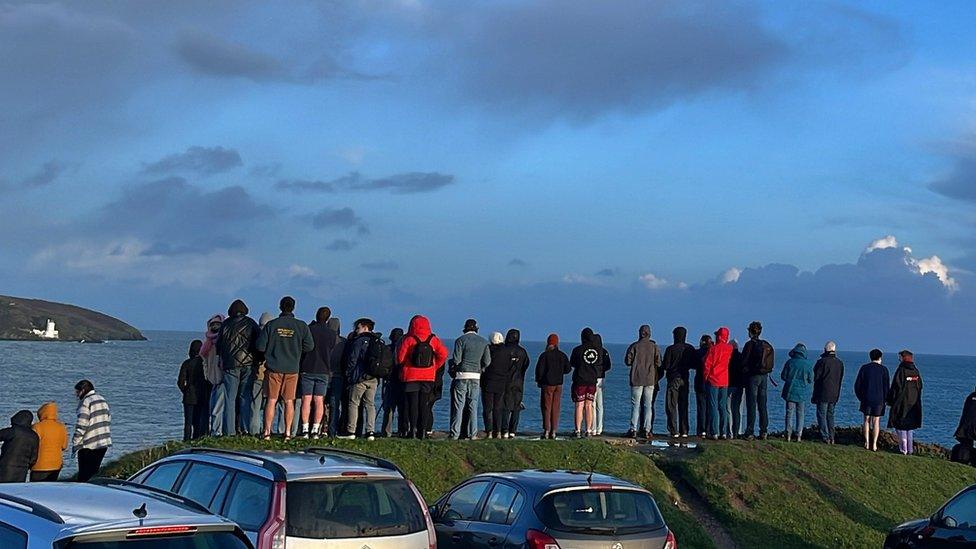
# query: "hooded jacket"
[[680, 358], [644, 359], [702, 353], [191, 380], [419, 330], [797, 375], [828, 376], [212, 369], [19, 448], [551, 366], [716, 370], [283, 341], [586, 359], [967, 421], [471, 356], [335, 357], [520, 363], [496, 377], [52, 439], [905, 398], [319, 360], [396, 336], [238, 334]]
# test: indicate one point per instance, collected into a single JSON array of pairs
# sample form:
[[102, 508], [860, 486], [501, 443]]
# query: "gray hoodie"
[[471, 356], [644, 359]]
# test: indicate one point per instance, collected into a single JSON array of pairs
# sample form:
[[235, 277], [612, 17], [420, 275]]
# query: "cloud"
[[959, 182], [402, 183], [653, 282], [305, 186], [608, 272], [380, 265], [46, 175], [266, 170], [342, 218], [882, 243], [203, 246], [197, 160], [340, 245], [516, 262], [302, 274], [934, 265], [731, 275]]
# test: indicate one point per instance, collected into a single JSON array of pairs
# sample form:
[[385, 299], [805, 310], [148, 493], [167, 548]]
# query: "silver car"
[[321, 498], [108, 515]]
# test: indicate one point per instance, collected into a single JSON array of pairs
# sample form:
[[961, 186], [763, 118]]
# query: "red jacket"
[[419, 331], [717, 360]]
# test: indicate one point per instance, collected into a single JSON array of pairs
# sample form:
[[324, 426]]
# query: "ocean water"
[[139, 380]]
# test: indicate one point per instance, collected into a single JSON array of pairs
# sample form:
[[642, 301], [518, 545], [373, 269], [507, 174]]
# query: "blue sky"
[[544, 165]]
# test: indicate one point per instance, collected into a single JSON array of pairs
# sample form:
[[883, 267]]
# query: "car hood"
[[911, 525]]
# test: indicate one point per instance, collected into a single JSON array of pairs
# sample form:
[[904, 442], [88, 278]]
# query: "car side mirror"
[[432, 510], [949, 522]]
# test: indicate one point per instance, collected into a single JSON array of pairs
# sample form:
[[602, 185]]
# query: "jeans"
[[337, 386], [718, 408], [232, 394], [493, 407], [245, 401], [257, 406], [797, 425], [550, 404], [825, 419], [637, 394], [702, 417], [362, 394], [598, 406], [464, 399], [735, 406], [217, 405], [676, 406], [906, 442], [393, 398], [756, 401], [194, 421], [512, 411]]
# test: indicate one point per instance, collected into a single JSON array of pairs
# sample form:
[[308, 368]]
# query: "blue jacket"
[[871, 386], [797, 375]]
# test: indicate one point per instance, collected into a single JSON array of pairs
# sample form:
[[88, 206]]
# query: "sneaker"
[[763, 436], [302, 433], [371, 436], [503, 435], [511, 435], [316, 435], [347, 437], [684, 435], [642, 434], [578, 434], [631, 434]]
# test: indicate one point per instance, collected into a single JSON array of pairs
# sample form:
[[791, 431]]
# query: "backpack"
[[379, 358], [423, 353], [768, 360]]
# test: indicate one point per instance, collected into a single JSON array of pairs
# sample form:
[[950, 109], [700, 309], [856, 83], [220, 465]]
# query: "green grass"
[[780, 494], [436, 466]]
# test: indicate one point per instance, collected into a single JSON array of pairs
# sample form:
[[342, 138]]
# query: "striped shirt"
[[93, 429]]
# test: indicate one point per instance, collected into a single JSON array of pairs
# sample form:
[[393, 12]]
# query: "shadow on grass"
[[852, 509]]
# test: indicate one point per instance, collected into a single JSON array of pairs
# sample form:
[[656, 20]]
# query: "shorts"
[[314, 384], [282, 386], [873, 410], [584, 393]]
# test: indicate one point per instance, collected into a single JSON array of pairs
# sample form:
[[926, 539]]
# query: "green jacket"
[[283, 340]]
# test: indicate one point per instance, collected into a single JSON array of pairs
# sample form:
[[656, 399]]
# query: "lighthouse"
[[49, 331]]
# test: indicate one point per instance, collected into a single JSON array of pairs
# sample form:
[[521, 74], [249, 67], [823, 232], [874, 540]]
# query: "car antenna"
[[141, 512]]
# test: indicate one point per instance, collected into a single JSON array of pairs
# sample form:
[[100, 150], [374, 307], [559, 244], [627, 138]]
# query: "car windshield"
[[354, 508], [600, 512], [206, 540]]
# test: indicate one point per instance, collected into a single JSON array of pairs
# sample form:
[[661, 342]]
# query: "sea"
[[138, 378]]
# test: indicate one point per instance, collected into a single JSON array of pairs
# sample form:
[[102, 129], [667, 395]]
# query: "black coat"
[[702, 352], [828, 375], [551, 367], [236, 341], [587, 360], [318, 361], [738, 376], [905, 398], [192, 383], [967, 421], [496, 376], [520, 364], [680, 358], [19, 448]]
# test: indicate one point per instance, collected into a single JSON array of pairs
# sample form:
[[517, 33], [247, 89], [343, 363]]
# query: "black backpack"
[[379, 358], [962, 453], [768, 360], [423, 353]]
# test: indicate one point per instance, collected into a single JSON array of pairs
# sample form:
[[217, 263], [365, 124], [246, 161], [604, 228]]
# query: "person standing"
[[257, 389], [605, 365], [966, 431], [315, 372], [283, 341], [871, 388], [737, 388], [18, 448], [52, 442], [680, 358], [471, 357], [194, 386], [236, 345], [336, 395], [702, 417], [515, 384], [905, 399], [213, 372], [421, 355], [93, 430], [367, 356], [717, 380], [644, 360], [392, 394], [797, 379], [828, 376], [758, 361], [551, 367], [586, 361], [494, 381]]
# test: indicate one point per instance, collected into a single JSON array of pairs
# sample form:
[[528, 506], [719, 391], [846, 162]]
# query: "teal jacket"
[[283, 340], [797, 375]]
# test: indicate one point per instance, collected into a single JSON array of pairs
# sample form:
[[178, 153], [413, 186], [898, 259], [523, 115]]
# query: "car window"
[[12, 537], [595, 511], [360, 508], [248, 501], [463, 503], [201, 483], [962, 510], [164, 476], [516, 508], [499, 504]]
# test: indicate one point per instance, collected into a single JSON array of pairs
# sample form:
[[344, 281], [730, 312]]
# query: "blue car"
[[954, 525]]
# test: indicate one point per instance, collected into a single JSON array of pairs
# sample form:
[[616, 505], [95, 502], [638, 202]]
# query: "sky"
[[545, 165]]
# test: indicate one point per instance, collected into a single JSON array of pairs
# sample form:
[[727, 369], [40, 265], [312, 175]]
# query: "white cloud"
[[301, 271], [654, 282], [731, 276], [935, 265], [882, 244]]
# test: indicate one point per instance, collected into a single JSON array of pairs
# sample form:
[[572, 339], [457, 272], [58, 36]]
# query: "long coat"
[[905, 398]]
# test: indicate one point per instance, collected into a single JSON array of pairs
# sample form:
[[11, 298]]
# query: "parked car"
[[321, 498], [549, 510], [954, 525], [108, 514]]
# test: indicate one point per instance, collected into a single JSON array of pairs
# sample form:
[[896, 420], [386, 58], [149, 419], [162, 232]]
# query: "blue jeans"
[[337, 386], [797, 426], [825, 419], [735, 406], [718, 407], [756, 401], [636, 394], [257, 406], [232, 393], [598, 406], [464, 398], [245, 401], [217, 405]]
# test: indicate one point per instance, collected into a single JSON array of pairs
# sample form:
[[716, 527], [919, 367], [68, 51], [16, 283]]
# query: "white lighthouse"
[[49, 331]]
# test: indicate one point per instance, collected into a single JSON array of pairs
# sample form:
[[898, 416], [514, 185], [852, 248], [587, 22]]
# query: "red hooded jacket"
[[418, 331], [717, 360]]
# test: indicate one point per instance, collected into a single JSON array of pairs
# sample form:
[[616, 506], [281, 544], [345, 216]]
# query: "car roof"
[[545, 480], [314, 462]]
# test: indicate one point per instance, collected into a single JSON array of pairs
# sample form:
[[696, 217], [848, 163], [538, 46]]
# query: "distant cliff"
[[19, 317]]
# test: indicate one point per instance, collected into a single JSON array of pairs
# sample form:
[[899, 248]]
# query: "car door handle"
[[456, 538], [494, 541]]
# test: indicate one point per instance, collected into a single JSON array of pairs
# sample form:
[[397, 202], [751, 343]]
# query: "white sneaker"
[[347, 437]]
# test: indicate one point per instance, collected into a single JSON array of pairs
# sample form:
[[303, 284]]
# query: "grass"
[[436, 466]]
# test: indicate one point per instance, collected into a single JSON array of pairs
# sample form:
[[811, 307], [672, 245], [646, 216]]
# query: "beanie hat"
[[552, 340], [470, 325]]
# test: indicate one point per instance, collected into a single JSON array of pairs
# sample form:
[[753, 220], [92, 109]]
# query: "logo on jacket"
[[617, 545], [590, 356]]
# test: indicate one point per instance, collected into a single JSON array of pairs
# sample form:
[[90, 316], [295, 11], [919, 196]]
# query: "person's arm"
[[403, 349], [81, 425], [308, 344], [440, 351], [629, 357], [64, 437], [458, 354], [567, 367], [485, 358], [540, 368], [261, 344], [657, 357], [893, 389], [786, 368], [182, 381]]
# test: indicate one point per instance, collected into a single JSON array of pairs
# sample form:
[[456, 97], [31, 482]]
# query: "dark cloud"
[[196, 160], [305, 186], [340, 245], [960, 180], [402, 183], [202, 246], [516, 262], [266, 170], [380, 265], [46, 175], [608, 272], [342, 218]]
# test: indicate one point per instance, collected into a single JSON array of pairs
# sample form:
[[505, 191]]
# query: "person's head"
[[396, 334], [830, 347], [735, 344], [705, 341], [552, 341], [237, 308], [334, 324], [644, 332], [364, 325], [497, 338], [470, 325], [680, 334], [266, 317], [875, 355], [213, 325], [513, 336], [195, 348], [586, 336], [287, 304], [323, 315], [755, 329], [83, 387], [906, 356]]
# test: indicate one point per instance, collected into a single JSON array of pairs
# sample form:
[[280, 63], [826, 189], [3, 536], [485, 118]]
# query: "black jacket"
[[318, 361], [752, 357], [235, 342], [605, 364], [586, 360], [905, 398], [702, 352], [828, 375], [191, 381], [496, 376], [552, 365], [19, 448], [738, 376], [967, 421], [520, 363], [680, 358]]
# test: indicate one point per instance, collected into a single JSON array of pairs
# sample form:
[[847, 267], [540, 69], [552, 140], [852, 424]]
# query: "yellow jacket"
[[54, 439]]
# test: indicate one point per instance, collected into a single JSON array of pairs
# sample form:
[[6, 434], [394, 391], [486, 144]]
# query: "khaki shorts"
[[283, 386]]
